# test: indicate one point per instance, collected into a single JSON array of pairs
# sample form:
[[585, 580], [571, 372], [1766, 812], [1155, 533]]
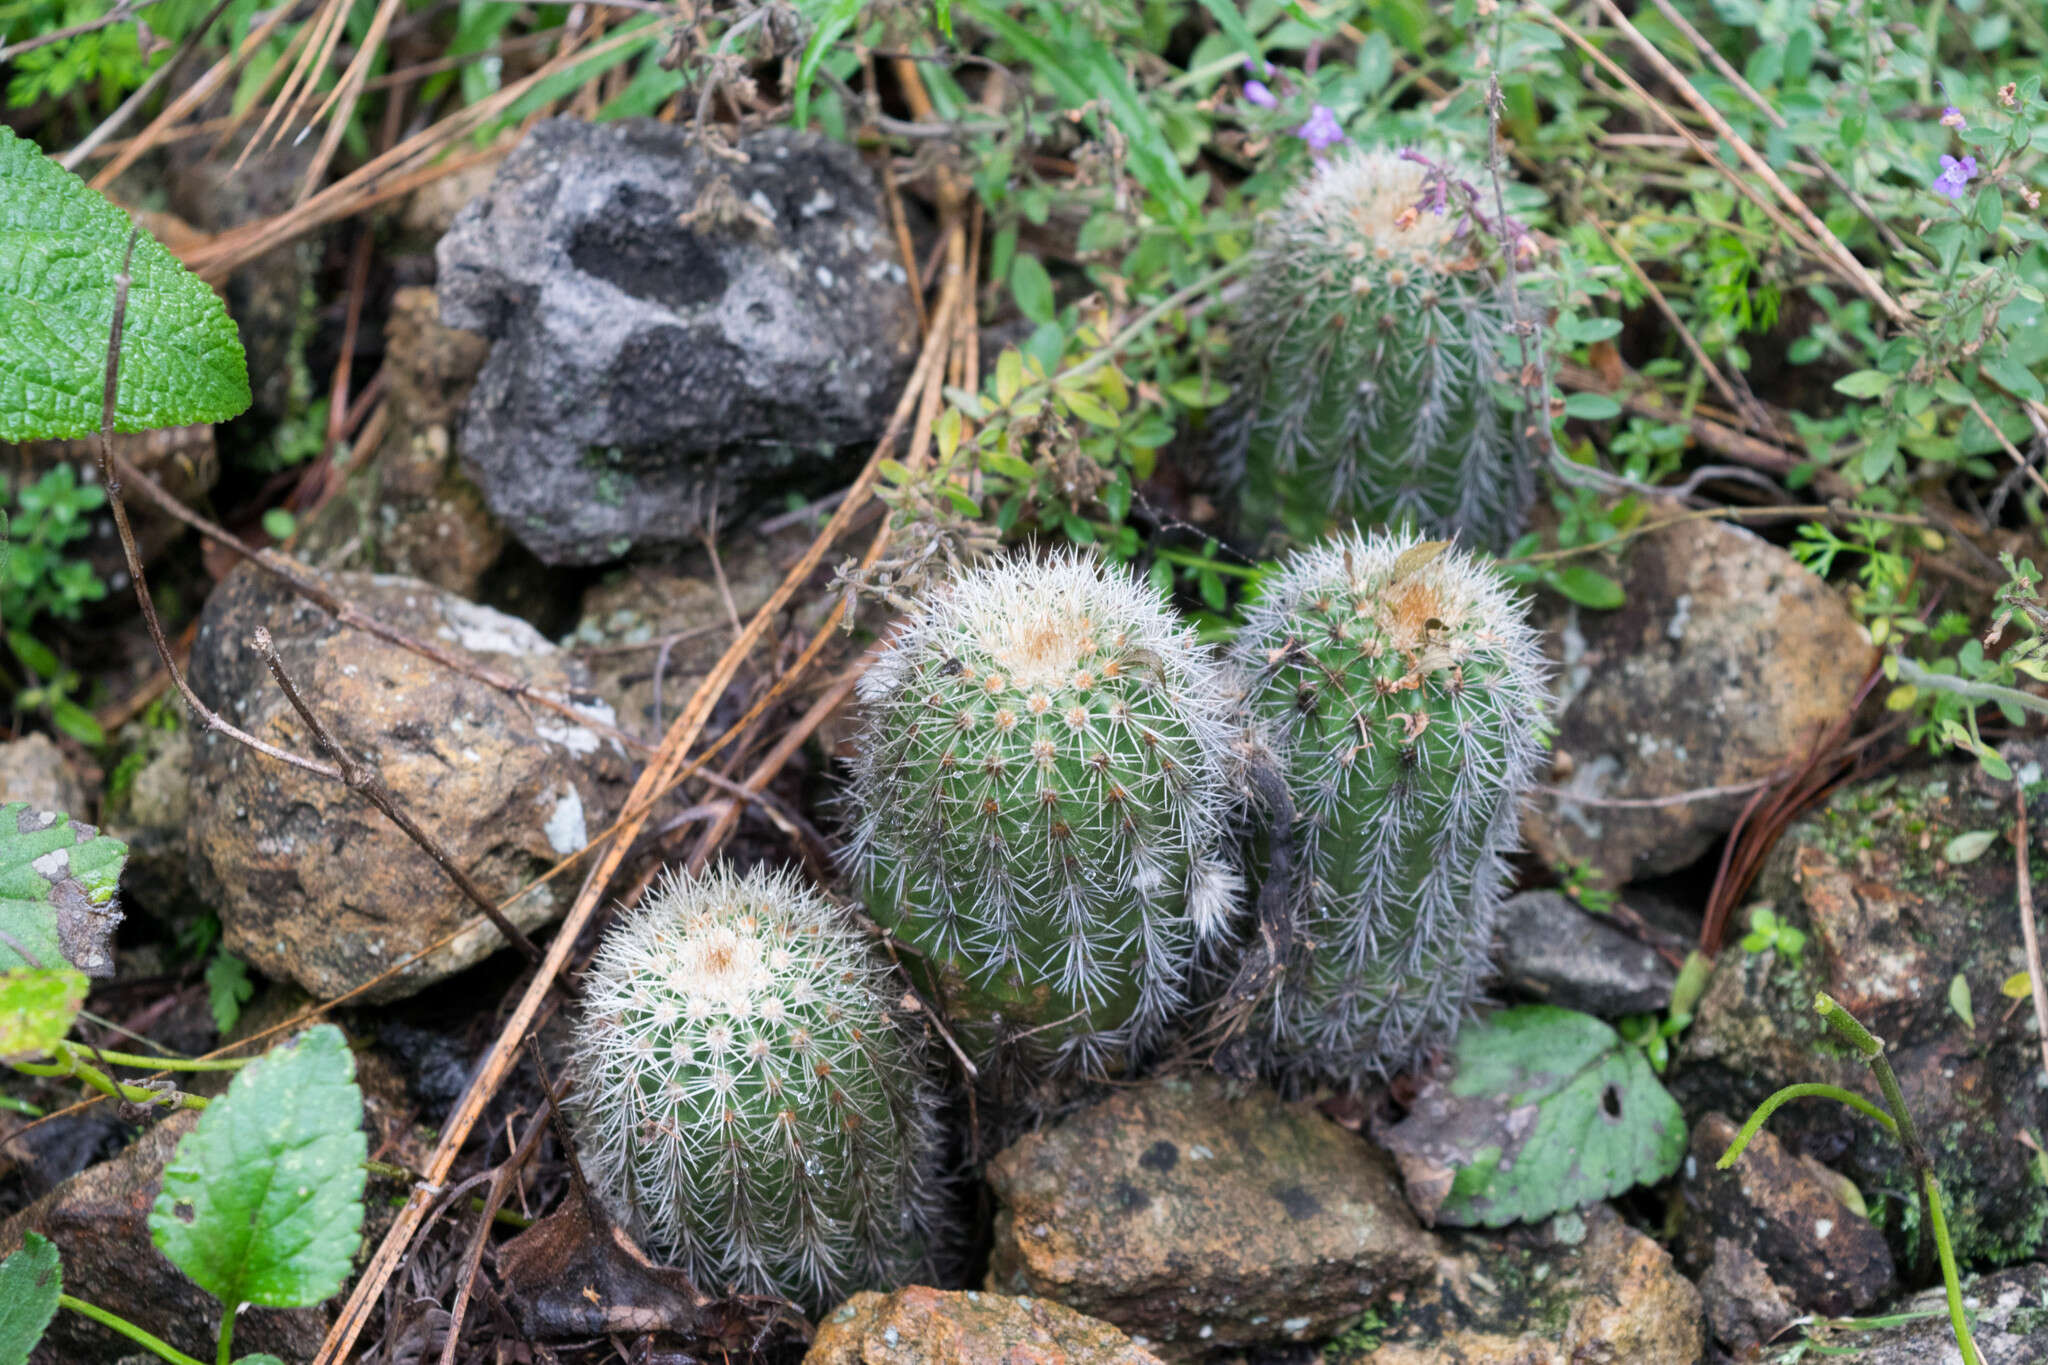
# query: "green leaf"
[[37, 1006], [1197, 391], [61, 245], [1032, 288], [1088, 408], [1959, 1001], [1545, 1109], [57, 884], [279, 523], [1227, 18], [263, 1200], [228, 988], [1591, 407], [1968, 847], [2018, 986], [2014, 377], [1587, 587], [829, 29], [1863, 383], [30, 1281]]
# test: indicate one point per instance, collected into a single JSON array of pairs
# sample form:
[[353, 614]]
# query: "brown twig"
[[2027, 930], [209, 719], [501, 1186], [362, 779]]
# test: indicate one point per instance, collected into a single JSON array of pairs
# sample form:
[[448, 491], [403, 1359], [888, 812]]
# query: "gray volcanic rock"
[[669, 327]]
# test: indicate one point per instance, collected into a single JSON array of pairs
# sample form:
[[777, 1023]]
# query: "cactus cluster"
[[1039, 807], [746, 1100], [1367, 357], [1401, 693]]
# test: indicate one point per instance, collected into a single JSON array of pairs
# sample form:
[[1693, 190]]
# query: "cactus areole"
[[1401, 691], [1367, 356], [745, 1100], [1038, 803]]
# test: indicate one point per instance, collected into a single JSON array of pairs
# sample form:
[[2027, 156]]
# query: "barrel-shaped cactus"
[[1038, 805], [1368, 358], [747, 1099], [1401, 692]]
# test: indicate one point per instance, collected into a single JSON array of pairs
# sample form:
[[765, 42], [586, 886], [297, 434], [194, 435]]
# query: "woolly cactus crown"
[[745, 1098], [1366, 355], [1038, 802], [1402, 693]]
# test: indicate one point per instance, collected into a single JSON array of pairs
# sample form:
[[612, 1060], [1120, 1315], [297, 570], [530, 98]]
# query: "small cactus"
[[1369, 346], [1038, 806], [1401, 692], [745, 1098]]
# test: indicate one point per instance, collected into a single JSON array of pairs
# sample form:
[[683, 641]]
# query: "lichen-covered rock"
[[1196, 1215], [148, 807], [411, 510], [99, 1220], [2008, 1321], [32, 769], [1549, 947], [1725, 662], [921, 1326], [1891, 922], [311, 881], [1575, 1289], [669, 328], [1789, 1213]]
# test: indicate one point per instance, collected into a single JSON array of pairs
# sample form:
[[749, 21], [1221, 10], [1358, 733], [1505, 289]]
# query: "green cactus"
[[1038, 807], [746, 1098], [1401, 693], [1366, 361]]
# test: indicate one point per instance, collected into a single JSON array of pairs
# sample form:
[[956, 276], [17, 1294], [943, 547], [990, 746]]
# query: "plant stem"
[[8, 1102], [226, 1354], [1798, 1092], [174, 1063], [1912, 672], [68, 1063], [127, 1329]]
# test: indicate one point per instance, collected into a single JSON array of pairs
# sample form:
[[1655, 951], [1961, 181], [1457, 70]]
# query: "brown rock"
[[1788, 1215], [411, 510], [311, 881], [1745, 1307], [33, 769], [99, 1220], [148, 808], [1196, 1215], [1546, 1297], [920, 1326], [1726, 661]]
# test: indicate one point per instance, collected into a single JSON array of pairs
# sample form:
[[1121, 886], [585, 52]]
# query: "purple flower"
[[1321, 131], [1952, 117], [1258, 94], [1954, 180]]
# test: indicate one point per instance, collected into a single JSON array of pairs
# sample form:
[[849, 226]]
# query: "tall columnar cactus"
[[1367, 357], [1401, 692], [745, 1097], [1038, 806]]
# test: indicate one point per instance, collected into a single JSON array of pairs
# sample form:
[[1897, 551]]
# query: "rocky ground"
[[554, 532]]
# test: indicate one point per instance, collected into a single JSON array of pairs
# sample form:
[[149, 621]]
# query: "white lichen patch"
[[565, 829]]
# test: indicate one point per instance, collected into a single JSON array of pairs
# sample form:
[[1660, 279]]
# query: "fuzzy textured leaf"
[[57, 883], [263, 1200], [1544, 1109], [37, 1006], [61, 245], [30, 1280]]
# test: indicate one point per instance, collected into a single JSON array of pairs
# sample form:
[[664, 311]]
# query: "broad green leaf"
[[2018, 986], [263, 1200], [1591, 407], [37, 1006], [1968, 846], [831, 25], [1959, 1001], [30, 1281], [1545, 1109], [57, 884], [1863, 383], [265, 1359], [1031, 286], [228, 988], [1588, 587], [61, 245]]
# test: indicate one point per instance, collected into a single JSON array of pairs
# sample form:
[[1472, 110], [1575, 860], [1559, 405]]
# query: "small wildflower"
[[2032, 196], [2008, 94], [1954, 180], [1257, 93], [1321, 132], [1952, 117]]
